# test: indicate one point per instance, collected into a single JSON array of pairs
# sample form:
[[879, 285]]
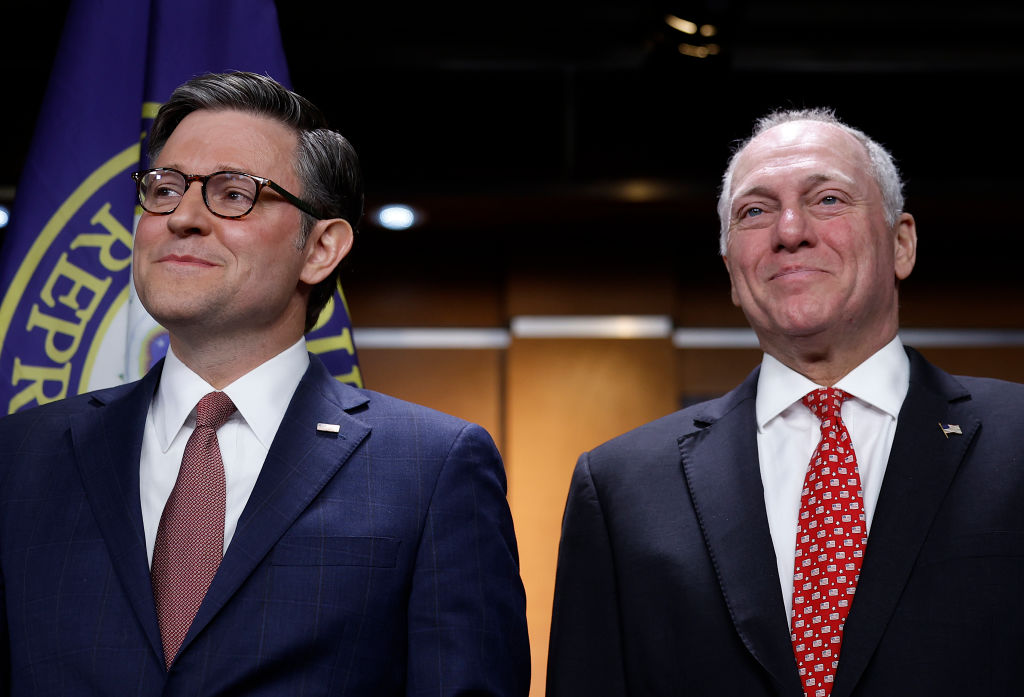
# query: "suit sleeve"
[[5, 661], [585, 655], [467, 607], [6, 457]]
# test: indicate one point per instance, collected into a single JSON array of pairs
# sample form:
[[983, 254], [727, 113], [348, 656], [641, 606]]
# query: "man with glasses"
[[238, 521]]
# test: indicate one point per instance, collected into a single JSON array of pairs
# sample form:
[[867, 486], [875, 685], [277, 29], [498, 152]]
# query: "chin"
[[803, 327]]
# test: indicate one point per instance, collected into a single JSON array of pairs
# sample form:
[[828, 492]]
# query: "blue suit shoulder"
[[52, 418], [68, 405]]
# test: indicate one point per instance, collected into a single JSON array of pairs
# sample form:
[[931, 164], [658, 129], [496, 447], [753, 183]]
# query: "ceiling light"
[[396, 216], [699, 51], [683, 25], [5, 216]]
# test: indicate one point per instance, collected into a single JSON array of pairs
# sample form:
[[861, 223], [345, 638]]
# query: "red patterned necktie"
[[831, 534], [190, 539]]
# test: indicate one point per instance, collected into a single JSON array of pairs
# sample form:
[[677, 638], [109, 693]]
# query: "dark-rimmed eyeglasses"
[[227, 194]]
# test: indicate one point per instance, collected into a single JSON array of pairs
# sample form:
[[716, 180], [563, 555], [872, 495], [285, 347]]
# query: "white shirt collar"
[[881, 381], [261, 395]]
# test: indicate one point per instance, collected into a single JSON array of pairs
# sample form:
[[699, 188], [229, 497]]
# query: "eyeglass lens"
[[226, 193]]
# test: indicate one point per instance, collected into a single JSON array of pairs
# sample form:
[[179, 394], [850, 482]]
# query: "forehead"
[[206, 141], [799, 151]]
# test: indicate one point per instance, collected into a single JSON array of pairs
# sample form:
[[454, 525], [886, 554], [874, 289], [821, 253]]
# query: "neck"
[[223, 360], [823, 363]]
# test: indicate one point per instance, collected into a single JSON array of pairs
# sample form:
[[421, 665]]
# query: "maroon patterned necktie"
[[190, 539], [831, 534]]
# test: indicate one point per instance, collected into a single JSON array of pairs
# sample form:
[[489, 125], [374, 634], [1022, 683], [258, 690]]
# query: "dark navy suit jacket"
[[667, 580], [379, 560]]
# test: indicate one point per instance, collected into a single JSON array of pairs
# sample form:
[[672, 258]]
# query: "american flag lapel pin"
[[950, 428]]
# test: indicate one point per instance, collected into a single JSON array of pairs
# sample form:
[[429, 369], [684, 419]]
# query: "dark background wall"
[[517, 127]]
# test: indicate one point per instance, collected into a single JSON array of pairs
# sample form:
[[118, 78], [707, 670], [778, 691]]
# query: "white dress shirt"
[[787, 434], [261, 397]]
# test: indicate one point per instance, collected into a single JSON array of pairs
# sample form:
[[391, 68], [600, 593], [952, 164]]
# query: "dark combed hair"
[[325, 162]]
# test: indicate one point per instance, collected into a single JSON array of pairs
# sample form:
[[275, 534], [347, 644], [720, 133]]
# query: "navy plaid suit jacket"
[[380, 560]]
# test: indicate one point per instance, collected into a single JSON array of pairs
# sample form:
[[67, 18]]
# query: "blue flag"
[[69, 321]]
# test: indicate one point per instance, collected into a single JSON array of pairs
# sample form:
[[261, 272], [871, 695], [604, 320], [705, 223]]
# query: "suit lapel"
[[922, 463], [720, 463], [301, 461], [107, 443]]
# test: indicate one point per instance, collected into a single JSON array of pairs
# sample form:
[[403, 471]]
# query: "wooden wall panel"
[[592, 292], [463, 382], [989, 304], [704, 373], [566, 396], [1003, 362], [411, 302]]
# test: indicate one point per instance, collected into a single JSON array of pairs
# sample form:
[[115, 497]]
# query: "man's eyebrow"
[[825, 177], [759, 190], [225, 167], [219, 167]]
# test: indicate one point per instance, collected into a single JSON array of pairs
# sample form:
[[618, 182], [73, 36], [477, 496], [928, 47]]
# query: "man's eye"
[[165, 192], [233, 196], [830, 200], [752, 212]]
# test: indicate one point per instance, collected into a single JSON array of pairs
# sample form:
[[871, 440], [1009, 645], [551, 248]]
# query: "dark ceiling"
[[527, 93], [566, 120]]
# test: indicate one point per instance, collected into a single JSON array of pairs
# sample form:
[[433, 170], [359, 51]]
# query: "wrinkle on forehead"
[[826, 152], [808, 182], [217, 167]]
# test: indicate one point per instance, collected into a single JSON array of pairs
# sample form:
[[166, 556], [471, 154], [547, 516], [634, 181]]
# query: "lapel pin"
[[334, 428], [950, 428]]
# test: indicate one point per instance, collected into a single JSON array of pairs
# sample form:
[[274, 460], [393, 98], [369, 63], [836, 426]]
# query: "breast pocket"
[[379, 552], [1007, 544], [963, 587]]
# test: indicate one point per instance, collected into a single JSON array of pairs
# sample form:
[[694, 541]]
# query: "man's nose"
[[190, 217], [792, 230]]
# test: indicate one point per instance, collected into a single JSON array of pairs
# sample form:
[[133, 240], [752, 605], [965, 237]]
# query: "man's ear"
[[328, 243], [906, 245]]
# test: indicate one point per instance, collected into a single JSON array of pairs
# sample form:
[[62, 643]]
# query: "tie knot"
[[213, 410], [825, 403]]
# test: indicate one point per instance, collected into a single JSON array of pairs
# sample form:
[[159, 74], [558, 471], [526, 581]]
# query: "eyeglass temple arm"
[[294, 200]]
